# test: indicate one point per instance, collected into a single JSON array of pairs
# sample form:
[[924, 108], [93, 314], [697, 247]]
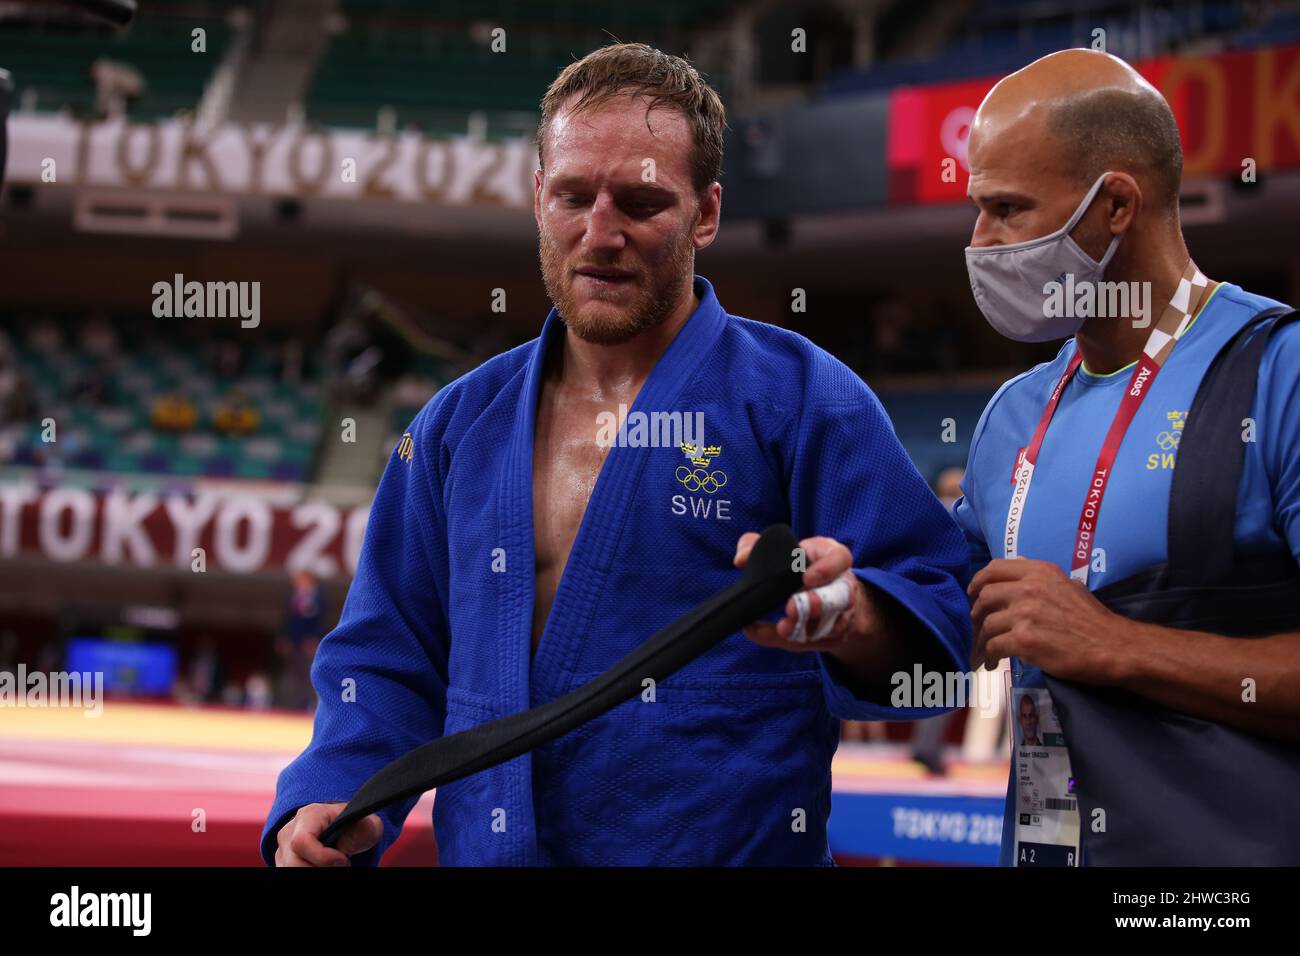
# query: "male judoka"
[[512, 556]]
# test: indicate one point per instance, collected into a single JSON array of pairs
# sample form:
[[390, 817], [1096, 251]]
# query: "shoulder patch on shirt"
[[406, 448]]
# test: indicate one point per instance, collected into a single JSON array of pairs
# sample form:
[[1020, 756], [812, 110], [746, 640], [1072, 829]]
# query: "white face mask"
[[1008, 281]]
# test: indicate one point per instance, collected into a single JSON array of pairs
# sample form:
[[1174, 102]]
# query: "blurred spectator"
[[303, 621], [116, 84], [948, 486], [207, 675], [236, 416], [91, 387], [174, 412], [352, 359], [290, 362], [927, 742], [364, 350], [11, 391], [988, 735], [15, 401], [257, 692], [303, 629], [45, 336], [232, 695], [228, 363], [21, 406], [863, 730], [97, 336], [56, 454]]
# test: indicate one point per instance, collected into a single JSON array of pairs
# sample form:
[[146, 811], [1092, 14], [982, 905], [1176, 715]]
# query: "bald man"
[[1129, 614]]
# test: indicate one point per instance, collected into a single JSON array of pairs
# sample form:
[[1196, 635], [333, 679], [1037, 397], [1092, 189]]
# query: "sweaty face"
[[615, 232]]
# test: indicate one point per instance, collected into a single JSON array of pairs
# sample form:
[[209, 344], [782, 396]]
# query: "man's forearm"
[[1249, 683]]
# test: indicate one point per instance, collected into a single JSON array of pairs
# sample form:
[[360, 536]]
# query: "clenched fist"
[[298, 842]]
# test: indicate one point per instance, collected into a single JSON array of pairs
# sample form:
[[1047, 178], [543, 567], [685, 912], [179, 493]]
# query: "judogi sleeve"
[[853, 481], [381, 674]]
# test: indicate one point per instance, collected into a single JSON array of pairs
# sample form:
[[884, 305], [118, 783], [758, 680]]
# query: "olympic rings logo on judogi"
[[697, 479]]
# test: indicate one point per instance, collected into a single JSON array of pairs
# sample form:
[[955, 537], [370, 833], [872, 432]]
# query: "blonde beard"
[[648, 308]]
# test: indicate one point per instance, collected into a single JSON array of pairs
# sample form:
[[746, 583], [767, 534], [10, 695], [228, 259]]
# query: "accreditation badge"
[[1047, 809]]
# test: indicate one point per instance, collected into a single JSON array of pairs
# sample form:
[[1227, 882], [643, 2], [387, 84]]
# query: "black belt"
[[766, 584]]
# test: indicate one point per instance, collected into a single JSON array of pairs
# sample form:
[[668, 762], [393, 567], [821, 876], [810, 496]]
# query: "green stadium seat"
[[247, 468], [55, 63], [122, 461], [187, 465]]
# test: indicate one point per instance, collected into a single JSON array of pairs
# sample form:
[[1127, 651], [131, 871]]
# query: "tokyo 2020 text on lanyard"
[[1177, 316]]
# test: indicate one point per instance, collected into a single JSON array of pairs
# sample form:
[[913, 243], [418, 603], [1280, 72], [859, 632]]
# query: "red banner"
[[239, 534], [1230, 108]]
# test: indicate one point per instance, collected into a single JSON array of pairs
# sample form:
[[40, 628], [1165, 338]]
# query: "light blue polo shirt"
[[1132, 530]]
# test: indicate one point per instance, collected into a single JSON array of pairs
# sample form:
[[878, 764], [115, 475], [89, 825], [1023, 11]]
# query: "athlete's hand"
[[298, 842], [1032, 610], [827, 560]]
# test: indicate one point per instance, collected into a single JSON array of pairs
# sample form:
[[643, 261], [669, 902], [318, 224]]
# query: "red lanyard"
[[1144, 374], [1139, 384]]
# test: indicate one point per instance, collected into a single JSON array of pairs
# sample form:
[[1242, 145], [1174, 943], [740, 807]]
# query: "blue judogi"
[[730, 763]]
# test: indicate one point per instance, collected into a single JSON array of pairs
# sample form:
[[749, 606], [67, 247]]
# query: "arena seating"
[[116, 433], [50, 61], [1003, 35], [919, 418], [422, 81], [402, 55]]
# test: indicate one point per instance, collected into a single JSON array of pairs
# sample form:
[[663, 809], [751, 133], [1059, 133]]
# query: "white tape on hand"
[[835, 599]]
